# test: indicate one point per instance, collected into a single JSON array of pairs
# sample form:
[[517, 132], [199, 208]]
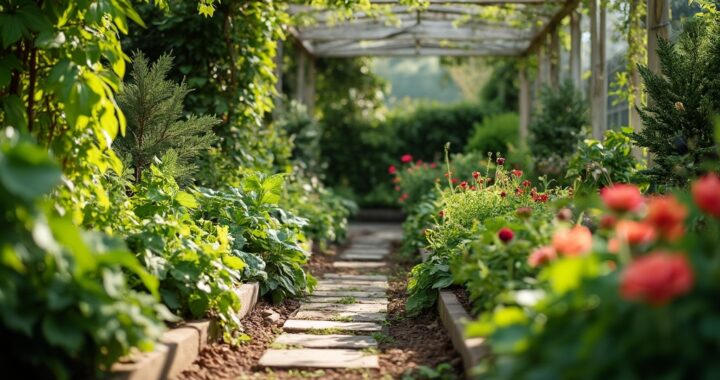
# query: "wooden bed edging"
[[179, 346], [454, 317]]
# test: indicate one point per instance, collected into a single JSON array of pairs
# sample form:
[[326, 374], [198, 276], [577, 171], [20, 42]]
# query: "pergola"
[[506, 28]]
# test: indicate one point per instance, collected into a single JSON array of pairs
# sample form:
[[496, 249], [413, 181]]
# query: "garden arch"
[[510, 28]]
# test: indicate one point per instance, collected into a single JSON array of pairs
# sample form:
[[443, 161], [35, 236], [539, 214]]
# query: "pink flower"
[[406, 158], [706, 193], [657, 278], [505, 234], [392, 169], [635, 233], [542, 255], [622, 197]]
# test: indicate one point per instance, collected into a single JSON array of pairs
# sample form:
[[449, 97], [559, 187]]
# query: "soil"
[[411, 344], [464, 298]]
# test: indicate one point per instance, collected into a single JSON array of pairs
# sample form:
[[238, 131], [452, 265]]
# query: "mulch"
[[411, 343]]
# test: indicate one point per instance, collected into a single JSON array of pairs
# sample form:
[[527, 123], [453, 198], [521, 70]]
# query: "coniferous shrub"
[[678, 118], [556, 127], [157, 125]]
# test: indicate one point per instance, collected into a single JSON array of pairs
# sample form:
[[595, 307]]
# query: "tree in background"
[[157, 125], [678, 128], [500, 92]]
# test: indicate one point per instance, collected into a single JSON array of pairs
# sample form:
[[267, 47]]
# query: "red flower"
[[392, 169], [657, 278], [476, 175], [542, 256], [706, 192], [607, 222], [622, 197], [442, 213], [542, 198], [448, 174], [667, 215], [517, 173], [404, 197], [500, 161], [505, 234], [518, 191], [464, 184], [454, 181], [635, 233], [526, 183], [406, 158], [572, 242], [433, 165], [564, 214], [473, 188], [503, 194]]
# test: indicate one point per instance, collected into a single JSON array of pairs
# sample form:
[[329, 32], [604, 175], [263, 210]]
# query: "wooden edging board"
[[179, 347], [454, 317]]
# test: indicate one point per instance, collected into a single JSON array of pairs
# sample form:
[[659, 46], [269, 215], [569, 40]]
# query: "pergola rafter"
[[518, 28]]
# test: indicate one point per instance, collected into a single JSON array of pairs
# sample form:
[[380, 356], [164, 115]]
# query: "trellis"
[[526, 28]]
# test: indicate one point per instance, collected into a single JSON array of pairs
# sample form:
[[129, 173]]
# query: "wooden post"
[[301, 68], [598, 94], [635, 82], [310, 86], [658, 25], [575, 49], [524, 103], [554, 58]]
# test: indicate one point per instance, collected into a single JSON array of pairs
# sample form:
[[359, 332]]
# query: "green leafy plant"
[[494, 134], [597, 164], [64, 295], [157, 125]]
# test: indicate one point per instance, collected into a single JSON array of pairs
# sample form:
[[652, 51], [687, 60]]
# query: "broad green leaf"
[[233, 262], [11, 28], [186, 199], [27, 171], [15, 115]]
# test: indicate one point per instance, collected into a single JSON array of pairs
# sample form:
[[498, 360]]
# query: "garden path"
[[334, 327]]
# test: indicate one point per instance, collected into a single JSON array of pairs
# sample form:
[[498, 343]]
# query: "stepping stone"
[[358, 300], [366, 251], [318, 358], [338, 307], [340, 316], [349, 288], [352, 257], [358, 264], [359, 277], [381, 284], [343, 293], [327, 341], [305, 325], [370, 245]]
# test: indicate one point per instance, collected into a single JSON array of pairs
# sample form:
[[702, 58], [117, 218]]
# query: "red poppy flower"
[[542, 255], [657, 278], [505, 234], [706, 192], [667, 215], [622, 197], [573, 241], [406, 158], [635, 233]]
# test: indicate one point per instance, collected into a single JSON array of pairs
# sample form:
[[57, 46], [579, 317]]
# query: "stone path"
[[334, 327]]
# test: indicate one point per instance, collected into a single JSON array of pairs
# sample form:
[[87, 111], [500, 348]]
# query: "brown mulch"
[[464, 298], [411, 343]]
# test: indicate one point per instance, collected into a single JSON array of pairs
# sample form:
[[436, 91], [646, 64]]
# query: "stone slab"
[[342, 293], [349, 257], [326, 341], [344, 316], [354, 307], [368, 277], [318, 358], [248, 294], [350, 288], [332, 281], [358, 300], [358, 264], [366, 251], [296, 325], [454, 317]]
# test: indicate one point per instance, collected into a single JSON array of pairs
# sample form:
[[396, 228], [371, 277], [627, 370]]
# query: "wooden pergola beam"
[[421, 51], [471, 2], [554, 22]]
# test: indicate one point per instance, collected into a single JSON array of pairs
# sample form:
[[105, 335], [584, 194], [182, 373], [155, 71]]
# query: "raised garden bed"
[[179, 346], [454, 317]]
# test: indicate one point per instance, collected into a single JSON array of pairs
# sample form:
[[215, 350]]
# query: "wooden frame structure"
[[463, 28]]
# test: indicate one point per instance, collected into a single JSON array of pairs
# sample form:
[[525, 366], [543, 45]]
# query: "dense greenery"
[[678, 118], [495, 134]]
